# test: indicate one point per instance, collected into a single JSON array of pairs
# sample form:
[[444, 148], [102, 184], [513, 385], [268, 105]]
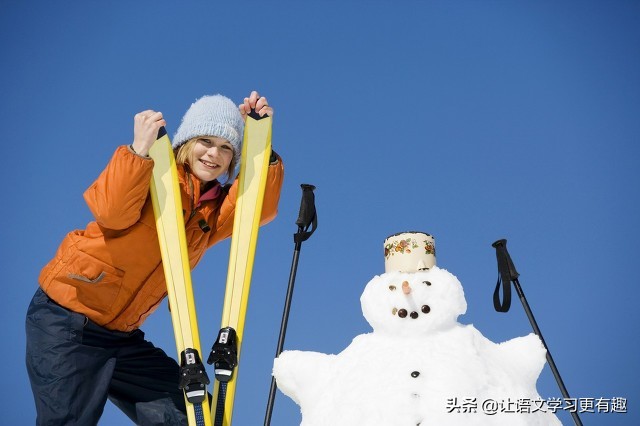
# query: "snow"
[[424, 368]]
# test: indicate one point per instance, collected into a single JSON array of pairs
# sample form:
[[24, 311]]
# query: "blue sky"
[[469, 120]]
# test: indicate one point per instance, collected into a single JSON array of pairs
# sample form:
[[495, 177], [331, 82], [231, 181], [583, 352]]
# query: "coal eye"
[[426, 309], [392, 287], [414, 315], [402, 313], [426, 282]]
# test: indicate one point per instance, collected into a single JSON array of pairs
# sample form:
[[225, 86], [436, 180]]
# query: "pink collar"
[[211, 194]]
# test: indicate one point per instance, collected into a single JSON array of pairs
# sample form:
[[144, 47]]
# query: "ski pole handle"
[[506, 273], [501, 249], [307, 216]]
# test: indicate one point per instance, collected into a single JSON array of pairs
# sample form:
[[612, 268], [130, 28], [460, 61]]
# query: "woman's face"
[[210, 158]]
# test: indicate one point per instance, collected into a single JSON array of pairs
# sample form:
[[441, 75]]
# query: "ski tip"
[[161, 132], [254, 114]]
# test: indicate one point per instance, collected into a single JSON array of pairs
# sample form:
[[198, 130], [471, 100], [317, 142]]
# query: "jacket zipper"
[[194, 209]]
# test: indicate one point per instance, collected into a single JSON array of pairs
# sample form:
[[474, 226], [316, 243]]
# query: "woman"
[[84, 344]]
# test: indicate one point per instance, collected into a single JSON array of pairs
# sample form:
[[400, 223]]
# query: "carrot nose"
[[406, 289]]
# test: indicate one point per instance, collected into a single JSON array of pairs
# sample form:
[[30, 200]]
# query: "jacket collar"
[[211, 193], [192, 187]]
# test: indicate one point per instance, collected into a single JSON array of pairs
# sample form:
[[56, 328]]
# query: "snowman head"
[[409, 304]]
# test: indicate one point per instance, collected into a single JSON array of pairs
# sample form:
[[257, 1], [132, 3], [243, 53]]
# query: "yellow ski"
[[256, 150], [167, 207]]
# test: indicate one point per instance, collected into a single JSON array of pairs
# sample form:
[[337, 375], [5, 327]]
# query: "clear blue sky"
[[470, 120]]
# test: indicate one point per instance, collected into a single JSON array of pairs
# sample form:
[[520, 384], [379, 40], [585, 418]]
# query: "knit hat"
[[214, 115]]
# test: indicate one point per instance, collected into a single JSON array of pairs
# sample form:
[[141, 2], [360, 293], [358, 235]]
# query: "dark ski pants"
[[74, 365]]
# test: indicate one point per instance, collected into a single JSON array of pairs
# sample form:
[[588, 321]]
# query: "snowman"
[[419, 366]]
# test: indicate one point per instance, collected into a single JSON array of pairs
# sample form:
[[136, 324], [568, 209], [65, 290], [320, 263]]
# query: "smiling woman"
[[105, 280], [208, 157]]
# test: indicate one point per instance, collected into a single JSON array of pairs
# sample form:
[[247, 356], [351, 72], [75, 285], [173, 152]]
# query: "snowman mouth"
[[403, 313]]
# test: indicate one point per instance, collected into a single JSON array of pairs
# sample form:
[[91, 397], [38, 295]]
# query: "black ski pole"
[[306, 218], [506, 274]]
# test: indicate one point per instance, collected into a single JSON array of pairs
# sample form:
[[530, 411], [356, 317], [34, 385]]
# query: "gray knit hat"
[[214, 115]]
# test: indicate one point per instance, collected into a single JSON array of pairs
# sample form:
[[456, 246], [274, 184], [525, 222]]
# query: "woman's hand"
[[255, 101], [146, 125]]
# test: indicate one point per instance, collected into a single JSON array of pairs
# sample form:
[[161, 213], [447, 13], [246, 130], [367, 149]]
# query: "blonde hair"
[[183, 154]]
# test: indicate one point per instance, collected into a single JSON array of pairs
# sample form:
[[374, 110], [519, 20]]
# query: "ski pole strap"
[[506, 273], [307, 216]]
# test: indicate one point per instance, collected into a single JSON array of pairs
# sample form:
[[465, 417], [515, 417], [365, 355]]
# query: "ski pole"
[[306, 218], [507, 273]]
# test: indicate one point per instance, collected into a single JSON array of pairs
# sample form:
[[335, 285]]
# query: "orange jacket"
[[112, 271]]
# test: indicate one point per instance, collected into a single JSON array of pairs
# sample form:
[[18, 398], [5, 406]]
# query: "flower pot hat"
[[409, 252]]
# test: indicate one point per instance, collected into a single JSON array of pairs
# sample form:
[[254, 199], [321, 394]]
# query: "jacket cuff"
[[133, 151]]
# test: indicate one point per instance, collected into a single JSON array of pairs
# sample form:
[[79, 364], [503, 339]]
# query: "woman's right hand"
[[146, 125]]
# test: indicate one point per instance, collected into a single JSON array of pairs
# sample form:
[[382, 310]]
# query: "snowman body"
[[419, 366]]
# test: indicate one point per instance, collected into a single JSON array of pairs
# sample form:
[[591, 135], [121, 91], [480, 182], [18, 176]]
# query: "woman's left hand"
[[257, 102]]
